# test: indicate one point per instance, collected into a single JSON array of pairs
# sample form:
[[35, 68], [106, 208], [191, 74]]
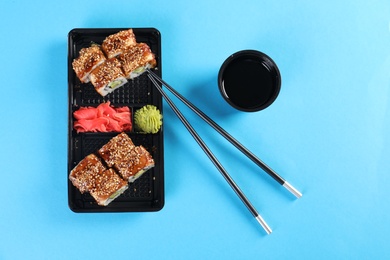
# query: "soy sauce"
[[248, 83]]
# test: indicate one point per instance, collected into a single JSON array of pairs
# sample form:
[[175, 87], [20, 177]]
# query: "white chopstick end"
[[264, 224], [291, 189]]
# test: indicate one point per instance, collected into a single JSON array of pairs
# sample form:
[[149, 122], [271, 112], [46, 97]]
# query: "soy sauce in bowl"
[[249, 80]]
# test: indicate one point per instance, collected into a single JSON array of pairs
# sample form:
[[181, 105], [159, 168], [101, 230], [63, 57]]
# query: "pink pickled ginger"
[[103, 118]]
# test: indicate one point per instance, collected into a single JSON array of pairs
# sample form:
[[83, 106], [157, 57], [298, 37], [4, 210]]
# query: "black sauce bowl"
[[249, 80]]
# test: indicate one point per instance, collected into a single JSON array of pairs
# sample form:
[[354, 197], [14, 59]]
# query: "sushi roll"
[[82, 176], [114, 44], [107, 186], [108, 77], [103, 184], [136, 59], [117, 148], [129, 160], [135, 164], [89, 59]]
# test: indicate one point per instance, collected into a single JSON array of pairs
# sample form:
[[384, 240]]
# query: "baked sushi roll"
[[82, 176], [108, 77], [136, 59], [116, 149], [107, 186], [136, 163], [103, 184], [114, 44], [88, 60], [129, 160]]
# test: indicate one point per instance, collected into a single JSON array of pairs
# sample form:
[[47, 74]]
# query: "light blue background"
[[328, 133]]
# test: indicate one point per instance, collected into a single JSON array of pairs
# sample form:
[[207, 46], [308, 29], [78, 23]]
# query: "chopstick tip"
[[291, 189], [264, 224]]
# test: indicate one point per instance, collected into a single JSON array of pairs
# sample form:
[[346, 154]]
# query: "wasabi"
[[148, 119]]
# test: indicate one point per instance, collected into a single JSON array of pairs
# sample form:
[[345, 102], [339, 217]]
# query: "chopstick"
[[212, 157], [228, 137]]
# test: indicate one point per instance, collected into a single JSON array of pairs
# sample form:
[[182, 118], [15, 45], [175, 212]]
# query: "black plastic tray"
[[147, 192]]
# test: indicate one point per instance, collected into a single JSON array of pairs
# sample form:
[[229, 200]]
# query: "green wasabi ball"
[[148, 119]]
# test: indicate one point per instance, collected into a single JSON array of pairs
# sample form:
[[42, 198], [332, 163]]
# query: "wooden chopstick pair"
[[156, 80]]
